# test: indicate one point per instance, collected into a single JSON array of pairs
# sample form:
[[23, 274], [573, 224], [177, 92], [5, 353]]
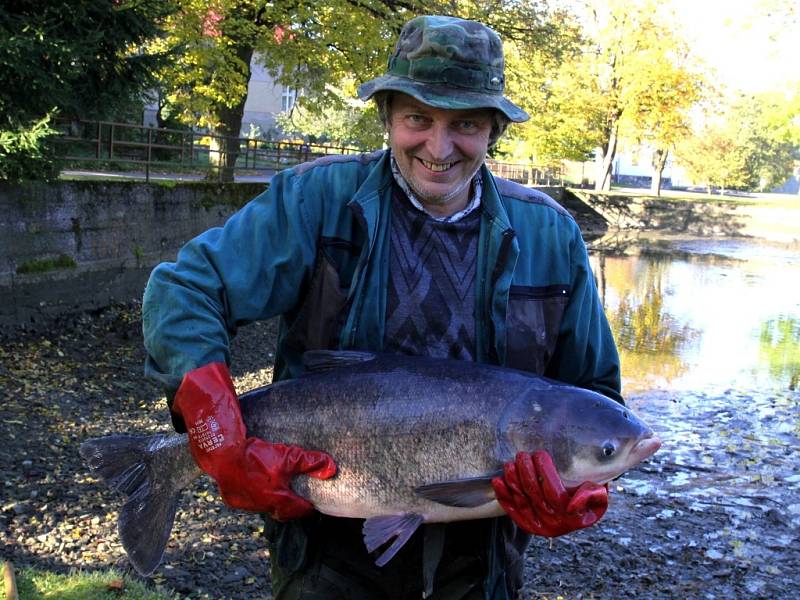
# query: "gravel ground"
[[82, 377]]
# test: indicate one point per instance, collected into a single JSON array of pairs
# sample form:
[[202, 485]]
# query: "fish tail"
[[151, 471]]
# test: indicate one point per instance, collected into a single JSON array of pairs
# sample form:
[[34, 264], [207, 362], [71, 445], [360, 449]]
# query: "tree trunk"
[[230, 124], [603, 181], [659, 162]]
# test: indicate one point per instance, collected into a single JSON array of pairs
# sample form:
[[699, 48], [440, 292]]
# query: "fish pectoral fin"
[[315, 361], [463, 493], [379, 531]]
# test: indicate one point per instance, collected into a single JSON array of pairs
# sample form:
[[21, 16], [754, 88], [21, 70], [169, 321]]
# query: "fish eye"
[[609, 449]]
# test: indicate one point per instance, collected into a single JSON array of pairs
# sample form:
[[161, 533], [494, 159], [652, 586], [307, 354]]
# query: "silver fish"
[[416, 440]]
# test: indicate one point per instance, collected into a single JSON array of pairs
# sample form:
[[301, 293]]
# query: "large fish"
[[415, 440]]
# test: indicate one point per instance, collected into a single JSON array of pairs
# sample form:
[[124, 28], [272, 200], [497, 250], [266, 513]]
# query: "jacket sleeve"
[[251, 268], [585, 354]]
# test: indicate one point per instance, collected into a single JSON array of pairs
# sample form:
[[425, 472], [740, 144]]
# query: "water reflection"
[[649, 338], [702, 315], [780, 349], [709, 337]]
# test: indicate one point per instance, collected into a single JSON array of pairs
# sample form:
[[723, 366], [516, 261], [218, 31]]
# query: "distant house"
[[635, 169], [266, 99], [631, 169]]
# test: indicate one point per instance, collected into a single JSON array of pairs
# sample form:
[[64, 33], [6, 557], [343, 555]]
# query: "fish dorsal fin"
[[381, 530], [464, 493], [316, 361]]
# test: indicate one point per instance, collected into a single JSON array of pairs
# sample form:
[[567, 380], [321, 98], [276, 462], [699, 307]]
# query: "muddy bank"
[[82, 378], [767, 216]]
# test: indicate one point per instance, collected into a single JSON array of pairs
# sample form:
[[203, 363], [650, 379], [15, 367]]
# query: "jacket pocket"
[[319, 319], [532, 323]]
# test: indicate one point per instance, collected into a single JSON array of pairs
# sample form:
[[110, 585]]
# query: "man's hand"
[[252, 474], [533, 495]]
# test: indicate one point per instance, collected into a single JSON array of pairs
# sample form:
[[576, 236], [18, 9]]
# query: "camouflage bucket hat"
[[450, 63]]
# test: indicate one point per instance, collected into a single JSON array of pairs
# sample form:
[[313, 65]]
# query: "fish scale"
[[383, 449]]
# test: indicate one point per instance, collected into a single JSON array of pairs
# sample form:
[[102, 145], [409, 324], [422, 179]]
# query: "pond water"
[[709, 338]]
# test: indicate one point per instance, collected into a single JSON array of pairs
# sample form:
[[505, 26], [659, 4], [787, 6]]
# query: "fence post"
[[99, 150], [111, 142], [149, 154]]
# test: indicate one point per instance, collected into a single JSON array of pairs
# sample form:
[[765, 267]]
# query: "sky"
[[749, 49]]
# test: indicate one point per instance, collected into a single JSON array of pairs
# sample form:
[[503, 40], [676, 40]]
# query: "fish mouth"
[[646, 447]]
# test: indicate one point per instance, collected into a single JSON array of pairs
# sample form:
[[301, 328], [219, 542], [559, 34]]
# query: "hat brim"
[[442, 96]]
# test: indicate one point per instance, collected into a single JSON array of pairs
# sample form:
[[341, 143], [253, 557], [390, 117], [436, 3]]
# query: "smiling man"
[[417, 250]]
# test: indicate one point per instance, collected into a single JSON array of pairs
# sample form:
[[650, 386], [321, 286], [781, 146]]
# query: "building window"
[[288, 97]]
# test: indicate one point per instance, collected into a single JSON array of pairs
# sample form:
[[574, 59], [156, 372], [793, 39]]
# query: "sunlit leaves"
[[751, 144], [337, 117]]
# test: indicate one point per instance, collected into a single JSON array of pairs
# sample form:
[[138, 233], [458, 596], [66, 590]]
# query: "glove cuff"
[[206, 401]]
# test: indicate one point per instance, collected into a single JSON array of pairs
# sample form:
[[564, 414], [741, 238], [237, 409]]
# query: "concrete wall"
[[73, 246]]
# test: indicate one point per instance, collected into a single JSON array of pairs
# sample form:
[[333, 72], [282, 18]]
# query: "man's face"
[[438, 151]]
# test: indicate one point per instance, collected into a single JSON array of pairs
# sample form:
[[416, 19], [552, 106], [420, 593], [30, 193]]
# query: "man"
[[415, 250]]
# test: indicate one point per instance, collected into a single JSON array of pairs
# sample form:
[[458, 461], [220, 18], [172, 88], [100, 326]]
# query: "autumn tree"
[[713, 157], [346, 120], [659, 100], [752, 143], [768, 125], [635, 63], [565, 119], [304, 44]]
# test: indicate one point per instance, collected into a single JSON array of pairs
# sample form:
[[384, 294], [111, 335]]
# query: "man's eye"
[[467, 125], [416, 119]]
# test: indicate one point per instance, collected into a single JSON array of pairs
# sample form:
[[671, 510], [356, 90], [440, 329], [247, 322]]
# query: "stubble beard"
[[442, 199]]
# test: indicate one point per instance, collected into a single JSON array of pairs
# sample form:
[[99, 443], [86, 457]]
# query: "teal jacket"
[[314, 250]]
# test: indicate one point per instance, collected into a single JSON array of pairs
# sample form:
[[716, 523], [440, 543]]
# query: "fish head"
[[589, 436]]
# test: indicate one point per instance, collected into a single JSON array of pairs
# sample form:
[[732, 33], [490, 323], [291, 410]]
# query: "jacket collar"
[[493, 207], [372, 194]]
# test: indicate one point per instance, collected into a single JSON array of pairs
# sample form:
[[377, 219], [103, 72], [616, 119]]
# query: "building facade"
[[266, 99]]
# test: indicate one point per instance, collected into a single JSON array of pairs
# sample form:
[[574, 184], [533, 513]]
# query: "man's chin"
[[438, 198]]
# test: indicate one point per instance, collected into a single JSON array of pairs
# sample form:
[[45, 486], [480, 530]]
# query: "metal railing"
[[111, 146], [123, 147], [528, 174]]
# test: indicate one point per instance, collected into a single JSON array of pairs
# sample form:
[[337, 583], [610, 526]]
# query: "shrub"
[[26, 152]]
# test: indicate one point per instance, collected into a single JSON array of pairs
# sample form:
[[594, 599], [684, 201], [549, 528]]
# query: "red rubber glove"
[[533, 495], [252, 474]]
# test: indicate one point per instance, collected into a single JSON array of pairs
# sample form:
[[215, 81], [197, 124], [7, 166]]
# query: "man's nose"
[[440, 142]]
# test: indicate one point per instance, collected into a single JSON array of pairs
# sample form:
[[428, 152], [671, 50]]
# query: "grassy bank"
[[33, 584]]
